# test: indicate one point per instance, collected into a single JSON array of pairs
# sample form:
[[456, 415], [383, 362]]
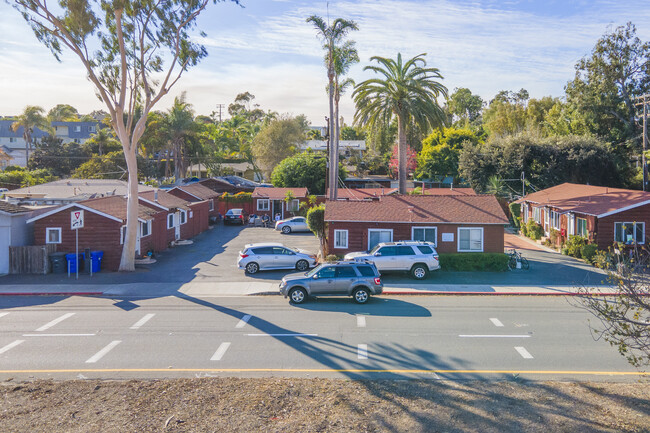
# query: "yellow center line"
[[325, 370]]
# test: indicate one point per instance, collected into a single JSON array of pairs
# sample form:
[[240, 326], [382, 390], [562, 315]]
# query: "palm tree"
[[331, 36], [31, 118], [63, 113], [407, 91], [180, 128]]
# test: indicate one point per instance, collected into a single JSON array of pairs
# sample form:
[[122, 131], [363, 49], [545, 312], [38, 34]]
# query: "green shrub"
[[588, 252], [332, 258], [515, 211], [554, 236], [523, 227], [602, 259], [573, 246], [489, 262], [535, 231]]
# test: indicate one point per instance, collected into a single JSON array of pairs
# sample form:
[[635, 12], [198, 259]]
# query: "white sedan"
[[295, 224]]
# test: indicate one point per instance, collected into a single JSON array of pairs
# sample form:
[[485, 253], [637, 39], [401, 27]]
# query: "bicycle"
[[516, 257]]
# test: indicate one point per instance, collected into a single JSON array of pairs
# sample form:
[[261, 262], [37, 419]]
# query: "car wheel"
[[419, 271], [286, 230], [361, 295], [252, 267], [302, 265], [298, 295]]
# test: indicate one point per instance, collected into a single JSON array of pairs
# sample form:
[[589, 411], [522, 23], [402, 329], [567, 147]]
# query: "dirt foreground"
[[315, 405]]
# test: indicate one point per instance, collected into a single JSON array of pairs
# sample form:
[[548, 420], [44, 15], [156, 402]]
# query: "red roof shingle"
[[165, 199], [278, 193], [476, 209]]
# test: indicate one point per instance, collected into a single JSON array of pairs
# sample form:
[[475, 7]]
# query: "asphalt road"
[[534, 338]]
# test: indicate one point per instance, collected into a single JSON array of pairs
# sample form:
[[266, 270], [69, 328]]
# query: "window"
[[428, 234], [340, 238], [263, 204], [366, 271], [92, 129], [537, 215], [581, 227], [376, 236], [183, 216], [293, 205], [629, 233], [76, 128], [53, 235], [282, 251], [424, 249], [524, 212], [555, 219], [145, 228], [405, 251], [211, 201], [12, 139], [387, 251], [263, 250], [470, 239], [345, 272], [328, 272], [571, 224], [170, 220]]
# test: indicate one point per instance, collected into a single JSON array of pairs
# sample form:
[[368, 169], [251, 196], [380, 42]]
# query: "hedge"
[[490, 262]]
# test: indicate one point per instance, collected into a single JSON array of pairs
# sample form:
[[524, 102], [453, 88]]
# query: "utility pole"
[[644, 99], [220, 107], [523, 184], [327, 158]]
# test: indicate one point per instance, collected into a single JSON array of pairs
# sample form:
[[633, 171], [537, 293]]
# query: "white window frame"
[[380, 230], [554, 217], [524, 213], [13, 140], [634, 236], [47, 234], [92, 129], [211, 202], [547, 219], [76, 128], [173, 217], [434, 228], [293, 205], [586, 235], [340, 245], [265, 201], [470, 250], [183, 216], [537, 215], [146, 224], [571, 224]]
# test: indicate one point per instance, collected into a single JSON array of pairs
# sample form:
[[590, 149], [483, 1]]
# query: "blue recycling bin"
[[74, 262], [96, 260]]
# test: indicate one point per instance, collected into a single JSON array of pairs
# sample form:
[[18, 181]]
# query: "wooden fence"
[[31, 259]]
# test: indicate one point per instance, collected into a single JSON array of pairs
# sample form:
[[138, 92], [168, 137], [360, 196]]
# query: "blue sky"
[[268, 49]]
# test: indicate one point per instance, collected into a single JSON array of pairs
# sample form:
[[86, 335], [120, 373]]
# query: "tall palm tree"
[[331, 37], [181, 129], [31, 118], [63, 113], [407, 91]]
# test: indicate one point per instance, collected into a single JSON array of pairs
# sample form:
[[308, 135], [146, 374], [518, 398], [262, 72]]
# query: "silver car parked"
[[417, 257], [273, 255], [357, 279], [295, 224]]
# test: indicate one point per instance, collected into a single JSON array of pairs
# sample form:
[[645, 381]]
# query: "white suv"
[[416, 257]]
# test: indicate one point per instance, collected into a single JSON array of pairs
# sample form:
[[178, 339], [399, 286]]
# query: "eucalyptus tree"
[[331, 36], [134, 52], [32, 117], [407, 91]]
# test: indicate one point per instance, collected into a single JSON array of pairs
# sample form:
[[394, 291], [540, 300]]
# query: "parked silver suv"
[[356, 279], [273, 255], [416, 257]]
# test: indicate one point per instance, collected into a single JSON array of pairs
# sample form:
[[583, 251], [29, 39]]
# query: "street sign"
[[76, 219]]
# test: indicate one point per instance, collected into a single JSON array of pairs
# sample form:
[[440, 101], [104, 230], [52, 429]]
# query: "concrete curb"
[[431, 293], [51, 293]]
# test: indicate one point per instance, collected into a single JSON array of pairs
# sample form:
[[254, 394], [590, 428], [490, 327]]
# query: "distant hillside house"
[[13, 143], [600, 214], [454, 223], [5, 159], [78, 132]]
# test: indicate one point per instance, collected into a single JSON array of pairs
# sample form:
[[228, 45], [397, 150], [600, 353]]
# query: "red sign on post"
[[76, 219]]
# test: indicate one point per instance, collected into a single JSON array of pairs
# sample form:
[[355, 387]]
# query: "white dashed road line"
[[58, 335], [282, 335], [362, 351], [496, 321], [10, 346], [54, 322], [3, 314], [494, 336], [99, 355], [523, 352], [361, 321], [244, 320], [220, 352], [142, 321]]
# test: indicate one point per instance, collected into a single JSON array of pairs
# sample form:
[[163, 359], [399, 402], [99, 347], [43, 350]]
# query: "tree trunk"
[[127, 261], [337, 132], [401, 154], [28, 142]]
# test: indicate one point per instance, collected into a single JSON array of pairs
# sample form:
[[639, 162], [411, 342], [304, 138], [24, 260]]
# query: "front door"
[[376, 236], [177, 226], [278, 208]]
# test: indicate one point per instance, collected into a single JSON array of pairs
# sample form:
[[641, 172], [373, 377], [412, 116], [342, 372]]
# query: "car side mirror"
[[315, 277], [377, 254]]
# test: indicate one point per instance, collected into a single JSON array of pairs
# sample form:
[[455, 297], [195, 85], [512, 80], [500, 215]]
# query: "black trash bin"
[[59, 263]]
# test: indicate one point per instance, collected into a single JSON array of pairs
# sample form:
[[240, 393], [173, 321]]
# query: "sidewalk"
[[214, 289]]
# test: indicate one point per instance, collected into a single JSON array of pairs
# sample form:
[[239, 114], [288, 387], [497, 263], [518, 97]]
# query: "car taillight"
[[378, 281], [435, 256], [241, 216], [242, 255]]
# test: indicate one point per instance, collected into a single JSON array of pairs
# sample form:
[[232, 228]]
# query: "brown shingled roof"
[[278, 193], [165, 199], [588, 199], [116, 206], [476, 209], [12, 208], [198, 190]]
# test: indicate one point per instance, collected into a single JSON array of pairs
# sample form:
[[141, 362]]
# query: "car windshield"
[[313, 271]]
